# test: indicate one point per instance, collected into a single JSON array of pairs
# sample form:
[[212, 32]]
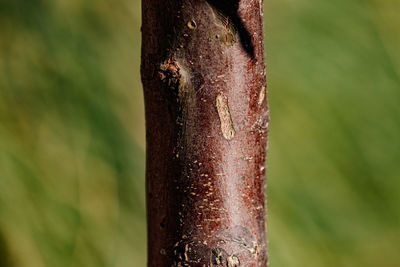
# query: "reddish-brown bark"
[[203, 74]]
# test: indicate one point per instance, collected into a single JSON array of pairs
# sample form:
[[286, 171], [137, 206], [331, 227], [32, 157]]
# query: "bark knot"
[[169, 74]]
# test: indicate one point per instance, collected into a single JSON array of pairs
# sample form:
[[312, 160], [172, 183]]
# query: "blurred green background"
[[72, 133]]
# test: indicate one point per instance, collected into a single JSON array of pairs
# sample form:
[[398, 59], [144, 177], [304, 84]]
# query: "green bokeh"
[[72, 133]]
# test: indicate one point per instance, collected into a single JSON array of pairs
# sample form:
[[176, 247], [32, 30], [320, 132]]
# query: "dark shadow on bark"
[[229, 9]]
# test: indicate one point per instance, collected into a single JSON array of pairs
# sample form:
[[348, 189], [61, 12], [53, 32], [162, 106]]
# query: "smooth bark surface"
[[203, 73]]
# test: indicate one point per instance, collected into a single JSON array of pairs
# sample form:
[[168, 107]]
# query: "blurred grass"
[[72, 133]]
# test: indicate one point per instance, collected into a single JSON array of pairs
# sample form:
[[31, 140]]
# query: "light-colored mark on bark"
[[185, 253], [261, 97], [232, 261], [254, 249], [192, 24], [228, 131]]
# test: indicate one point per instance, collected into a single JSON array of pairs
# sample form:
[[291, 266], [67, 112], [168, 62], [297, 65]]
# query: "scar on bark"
[[232, 261], [192, 24], [261, 96], [228, 131], [229, 11]]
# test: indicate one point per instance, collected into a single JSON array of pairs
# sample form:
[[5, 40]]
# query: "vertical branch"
[[203, 73]]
